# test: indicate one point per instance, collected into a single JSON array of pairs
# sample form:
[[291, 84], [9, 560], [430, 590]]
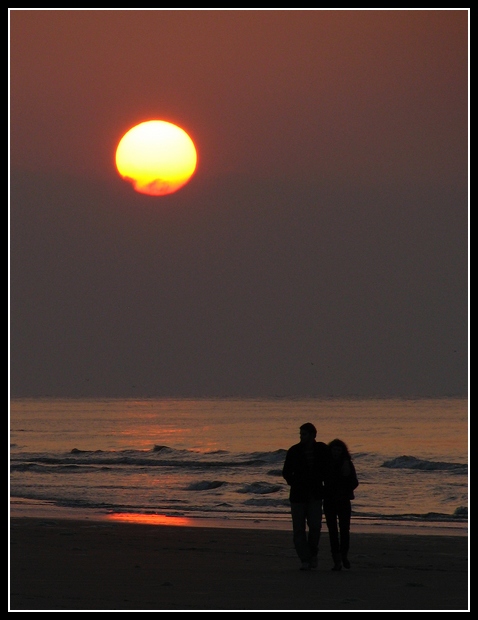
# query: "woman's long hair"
[[343, 445]]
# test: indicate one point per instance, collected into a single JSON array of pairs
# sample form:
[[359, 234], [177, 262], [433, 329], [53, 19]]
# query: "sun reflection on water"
[[135, 517]]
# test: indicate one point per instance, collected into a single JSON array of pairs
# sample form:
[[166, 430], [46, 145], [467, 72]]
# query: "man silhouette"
[[304, 470]]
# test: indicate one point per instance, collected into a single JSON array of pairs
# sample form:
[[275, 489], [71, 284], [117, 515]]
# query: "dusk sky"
[[320, 248]]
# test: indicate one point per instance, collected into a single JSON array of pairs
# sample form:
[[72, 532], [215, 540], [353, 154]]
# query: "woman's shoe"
[[337, 562]]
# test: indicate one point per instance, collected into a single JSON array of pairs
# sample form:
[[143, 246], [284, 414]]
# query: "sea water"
[[177, 460]]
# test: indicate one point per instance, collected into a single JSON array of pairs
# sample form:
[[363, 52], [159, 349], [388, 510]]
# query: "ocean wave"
[[205, 485], [461, 512], [165, 457], [460, 515], [67, 468], [260, 488], [276, 456], [161, 449], [267, 502], [150, 458], [275, 472], [411, 462]]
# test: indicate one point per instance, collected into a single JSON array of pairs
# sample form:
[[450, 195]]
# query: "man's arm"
[[288, 469]]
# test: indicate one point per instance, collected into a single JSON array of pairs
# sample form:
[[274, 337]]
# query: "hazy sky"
[[321, 248]]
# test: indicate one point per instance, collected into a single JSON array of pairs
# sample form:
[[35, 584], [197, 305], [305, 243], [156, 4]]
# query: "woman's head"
[[338, 449]]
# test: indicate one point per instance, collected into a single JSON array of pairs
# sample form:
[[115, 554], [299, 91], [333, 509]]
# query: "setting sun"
[[157, 157]]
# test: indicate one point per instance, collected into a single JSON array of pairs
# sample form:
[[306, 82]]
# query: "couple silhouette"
[[322, 480]]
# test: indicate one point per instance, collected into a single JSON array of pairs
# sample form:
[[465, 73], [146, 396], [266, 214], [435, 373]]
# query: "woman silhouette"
[[339, 483]]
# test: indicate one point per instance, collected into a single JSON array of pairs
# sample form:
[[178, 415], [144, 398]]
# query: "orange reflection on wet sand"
[[135, 517]]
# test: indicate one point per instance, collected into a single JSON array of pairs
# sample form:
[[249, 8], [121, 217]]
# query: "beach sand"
[[66, 564]]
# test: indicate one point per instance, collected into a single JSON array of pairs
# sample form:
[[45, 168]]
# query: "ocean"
[[183, 461]]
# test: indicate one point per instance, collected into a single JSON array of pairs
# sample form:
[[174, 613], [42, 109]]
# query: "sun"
[[157, 157]]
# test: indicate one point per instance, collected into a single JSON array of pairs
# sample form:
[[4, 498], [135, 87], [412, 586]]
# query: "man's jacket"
[[305, 479]]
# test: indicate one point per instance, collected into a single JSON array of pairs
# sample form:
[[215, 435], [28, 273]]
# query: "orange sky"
[[363, 94]]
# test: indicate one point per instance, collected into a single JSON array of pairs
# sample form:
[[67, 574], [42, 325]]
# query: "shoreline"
[[102, 565], [42, 510]]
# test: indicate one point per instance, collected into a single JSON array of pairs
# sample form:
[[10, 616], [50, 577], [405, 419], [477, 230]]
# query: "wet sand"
[[64, 564]]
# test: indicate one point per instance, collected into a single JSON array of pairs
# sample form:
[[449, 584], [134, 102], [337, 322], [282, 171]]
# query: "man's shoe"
[[305, 566], [345, 563], [313, 562]]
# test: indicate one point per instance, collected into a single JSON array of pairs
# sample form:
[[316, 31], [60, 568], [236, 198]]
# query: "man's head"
[[308, 432]]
